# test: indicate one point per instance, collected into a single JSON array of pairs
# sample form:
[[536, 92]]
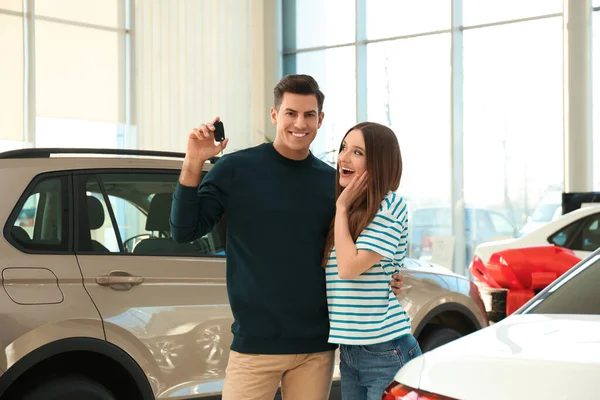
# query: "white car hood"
[[522, 357]]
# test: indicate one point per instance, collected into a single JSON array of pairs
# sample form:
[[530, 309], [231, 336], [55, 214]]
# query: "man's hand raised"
[[200, 147], [201, 143]]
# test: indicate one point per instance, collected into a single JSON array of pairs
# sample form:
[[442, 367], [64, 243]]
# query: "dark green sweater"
[[278, 213]]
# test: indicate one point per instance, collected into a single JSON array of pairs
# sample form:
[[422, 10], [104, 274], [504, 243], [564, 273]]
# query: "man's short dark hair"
[[298, 84]]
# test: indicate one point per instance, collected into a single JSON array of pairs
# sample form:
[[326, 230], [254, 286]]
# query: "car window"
[[136, 218], [131, 221], [101, 231], [566, 235], [574, 293], [590, 234], [41, 223], [501, 224]]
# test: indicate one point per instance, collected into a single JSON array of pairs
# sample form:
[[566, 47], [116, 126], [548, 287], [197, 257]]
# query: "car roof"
[[53, 159], [565, 219]]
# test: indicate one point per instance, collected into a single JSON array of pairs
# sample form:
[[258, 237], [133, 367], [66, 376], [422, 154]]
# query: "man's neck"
[[291, 154]]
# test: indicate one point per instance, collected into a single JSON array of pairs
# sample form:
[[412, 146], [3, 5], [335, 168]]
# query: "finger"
[[205, 129], [398, 276], [197, 134], [357, 185], [361, 185], [224, 144], [363, 178], [396, 284], [217, 118], [211, 125], [356, 180], [352, 182]]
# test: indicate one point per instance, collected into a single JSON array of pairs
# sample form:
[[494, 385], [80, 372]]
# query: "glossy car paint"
[[547, 357], [176, 324]]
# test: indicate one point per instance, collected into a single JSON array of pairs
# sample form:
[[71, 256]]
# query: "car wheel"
[[71, 387], [436, 337]]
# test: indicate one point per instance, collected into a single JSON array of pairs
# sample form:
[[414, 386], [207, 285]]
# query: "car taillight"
[[398, 391]]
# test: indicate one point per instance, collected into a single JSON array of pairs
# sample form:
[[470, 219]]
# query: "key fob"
[[219, 131]]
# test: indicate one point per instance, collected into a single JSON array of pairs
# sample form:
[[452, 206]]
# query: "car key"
[[219, 132]]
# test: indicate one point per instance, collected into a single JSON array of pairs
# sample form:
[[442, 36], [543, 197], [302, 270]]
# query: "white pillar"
[[577, 53]]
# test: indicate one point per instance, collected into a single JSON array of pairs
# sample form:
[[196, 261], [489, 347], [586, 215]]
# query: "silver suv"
[[98, 302]]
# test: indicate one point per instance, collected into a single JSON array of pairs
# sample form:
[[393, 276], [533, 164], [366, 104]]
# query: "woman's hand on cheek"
[[352, 192]]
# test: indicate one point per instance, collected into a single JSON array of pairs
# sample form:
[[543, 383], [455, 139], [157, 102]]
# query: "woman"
[[370, 236]]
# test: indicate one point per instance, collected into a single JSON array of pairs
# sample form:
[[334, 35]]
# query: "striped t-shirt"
[[364, 310]]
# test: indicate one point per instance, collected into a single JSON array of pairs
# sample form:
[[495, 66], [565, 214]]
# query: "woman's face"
[[352, 159]]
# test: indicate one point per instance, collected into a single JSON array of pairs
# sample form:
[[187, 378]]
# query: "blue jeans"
[[367, 370]]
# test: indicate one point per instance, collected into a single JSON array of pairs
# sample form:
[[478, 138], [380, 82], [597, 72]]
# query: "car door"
[[164, 303], [42, 297]]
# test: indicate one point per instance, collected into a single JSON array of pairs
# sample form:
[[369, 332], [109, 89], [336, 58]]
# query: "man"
[[279, 200]]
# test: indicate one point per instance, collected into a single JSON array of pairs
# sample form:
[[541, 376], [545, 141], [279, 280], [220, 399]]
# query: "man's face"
[[297, 121]]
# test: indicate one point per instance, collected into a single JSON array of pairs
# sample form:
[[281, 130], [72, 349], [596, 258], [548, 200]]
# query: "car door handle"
[[119, 280]]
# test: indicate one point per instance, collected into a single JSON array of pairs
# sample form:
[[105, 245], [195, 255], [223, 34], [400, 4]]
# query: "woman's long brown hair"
[[384, 164]]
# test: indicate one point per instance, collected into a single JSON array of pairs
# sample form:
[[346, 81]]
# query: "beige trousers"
[[257, 376]]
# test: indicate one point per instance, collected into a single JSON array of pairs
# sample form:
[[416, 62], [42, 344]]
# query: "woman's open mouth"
[[346, 171]]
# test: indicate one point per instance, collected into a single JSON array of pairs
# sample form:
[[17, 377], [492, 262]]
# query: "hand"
[[357, 186], [201, 143], [396, 283]]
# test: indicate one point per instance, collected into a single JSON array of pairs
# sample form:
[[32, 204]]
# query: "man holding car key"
[[280, 201]]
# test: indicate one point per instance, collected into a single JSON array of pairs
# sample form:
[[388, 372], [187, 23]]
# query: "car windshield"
[[574, 293]]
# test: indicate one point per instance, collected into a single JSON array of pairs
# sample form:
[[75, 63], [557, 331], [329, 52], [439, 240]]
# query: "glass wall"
[[408, 89], [391, 62], [513, 124], [67, 82], [334, 70], [12, 78], [390, 65]]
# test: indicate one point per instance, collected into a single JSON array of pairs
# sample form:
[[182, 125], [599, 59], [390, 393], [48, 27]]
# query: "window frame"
[[67, 214], [577, 236], [585, 228], [79, 188], [79, 180], [458, 161]]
